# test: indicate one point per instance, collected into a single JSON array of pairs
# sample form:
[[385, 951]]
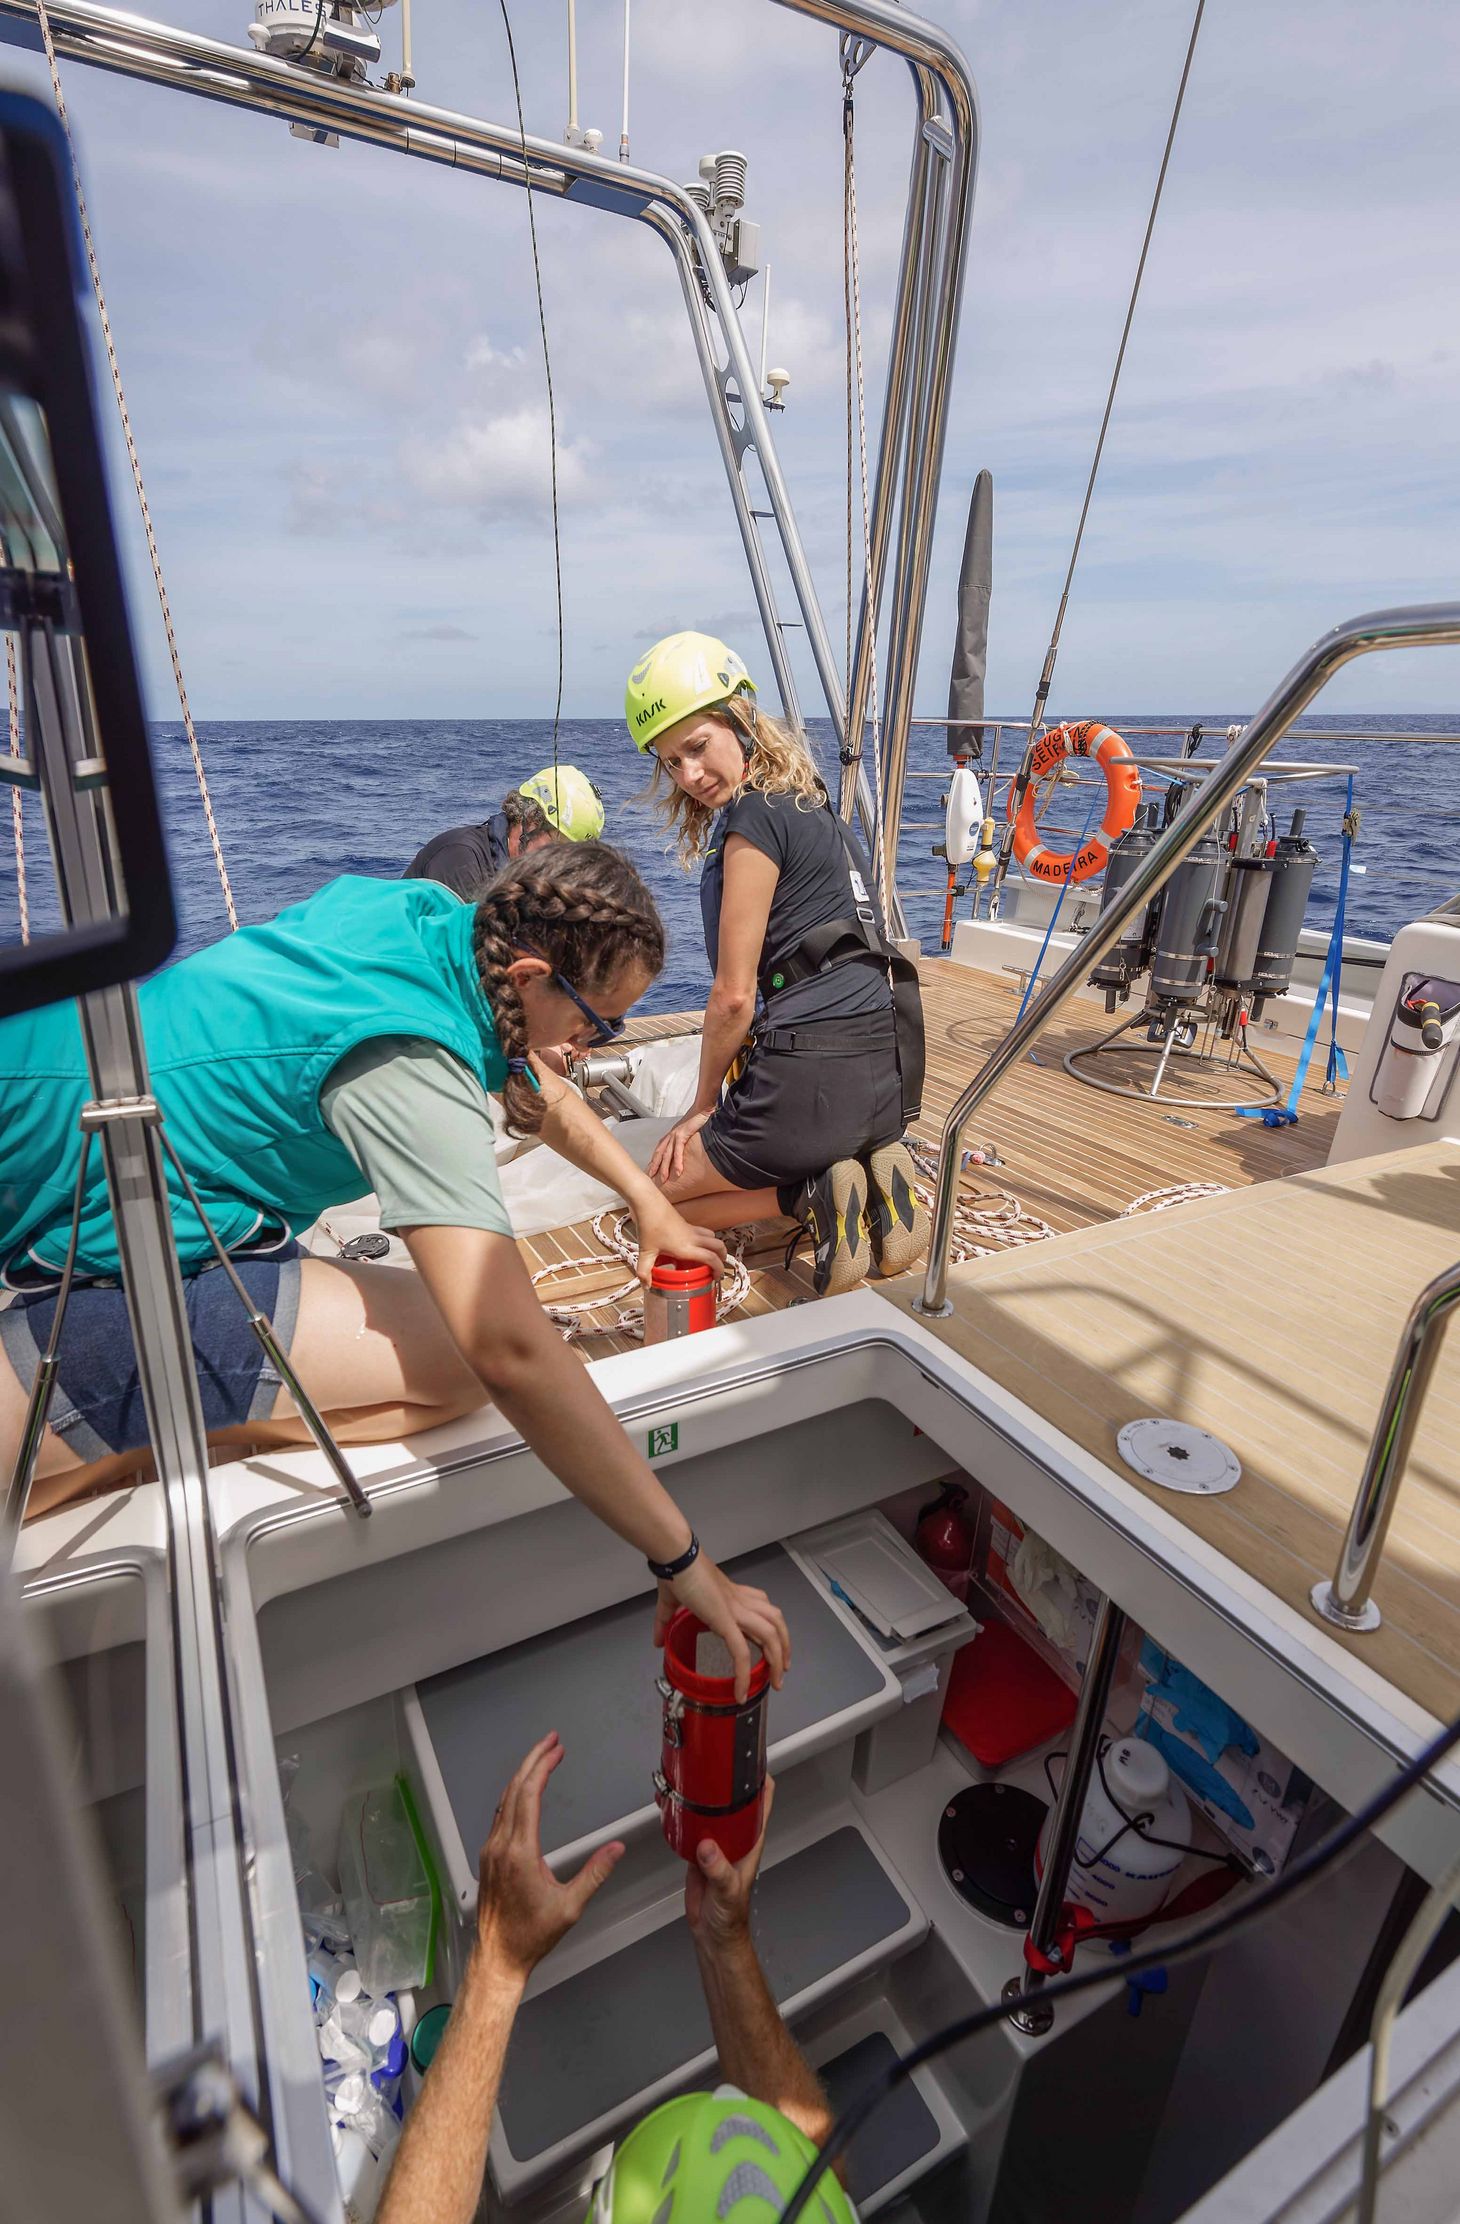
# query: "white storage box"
[[913, 1620]]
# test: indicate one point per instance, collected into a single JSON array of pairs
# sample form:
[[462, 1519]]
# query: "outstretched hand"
[[522, 1908], [717, 1890], [739, 1613]]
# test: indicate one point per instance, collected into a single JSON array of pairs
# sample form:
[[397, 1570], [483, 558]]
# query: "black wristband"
[[667, 1570]]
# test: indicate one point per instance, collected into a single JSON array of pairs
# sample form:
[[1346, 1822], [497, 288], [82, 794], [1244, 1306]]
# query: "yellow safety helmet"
[[683, 673], [568, 800]]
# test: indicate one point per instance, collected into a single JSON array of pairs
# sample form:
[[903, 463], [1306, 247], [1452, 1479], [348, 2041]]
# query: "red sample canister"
[[711, 1779], [680, 1299]]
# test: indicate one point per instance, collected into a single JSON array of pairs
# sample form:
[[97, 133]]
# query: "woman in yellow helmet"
[[558, 804], [812, 1125]]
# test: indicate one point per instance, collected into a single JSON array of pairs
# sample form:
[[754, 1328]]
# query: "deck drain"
[[1179, 1457]]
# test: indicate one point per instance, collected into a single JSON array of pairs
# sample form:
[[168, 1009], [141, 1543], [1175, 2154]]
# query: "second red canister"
[[680, 1299], [711, 1779]]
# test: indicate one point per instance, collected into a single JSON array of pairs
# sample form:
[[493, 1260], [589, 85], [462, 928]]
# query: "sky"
[[335, 376]]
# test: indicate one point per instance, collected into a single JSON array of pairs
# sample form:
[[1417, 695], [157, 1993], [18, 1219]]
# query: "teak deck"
[[1269, 1317], [1071, 1154]]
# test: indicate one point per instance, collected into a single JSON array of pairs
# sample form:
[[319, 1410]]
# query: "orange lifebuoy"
[[1084, 738]]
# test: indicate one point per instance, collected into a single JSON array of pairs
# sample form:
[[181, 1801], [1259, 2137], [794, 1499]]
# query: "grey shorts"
[[97, 1406]]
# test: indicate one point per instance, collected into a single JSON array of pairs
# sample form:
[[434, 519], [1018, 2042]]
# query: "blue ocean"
[[298, 803]]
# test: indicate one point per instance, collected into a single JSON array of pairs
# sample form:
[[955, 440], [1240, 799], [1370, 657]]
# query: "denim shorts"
[[97, 1403]]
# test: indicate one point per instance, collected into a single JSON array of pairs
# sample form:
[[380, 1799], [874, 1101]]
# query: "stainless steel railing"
[[1432, 624], [1345, 1601]]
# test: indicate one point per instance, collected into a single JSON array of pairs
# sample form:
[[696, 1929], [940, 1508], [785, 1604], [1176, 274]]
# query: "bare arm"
[[745, 909], [522, 1912], [482, 1291], [756, 2050], [579, 1136]]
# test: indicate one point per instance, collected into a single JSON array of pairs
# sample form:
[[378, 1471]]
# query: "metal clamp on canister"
[[680, 1299], [711, 1779]]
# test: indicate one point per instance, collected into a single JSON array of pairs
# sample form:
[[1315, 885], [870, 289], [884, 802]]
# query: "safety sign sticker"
[[664, 1440]]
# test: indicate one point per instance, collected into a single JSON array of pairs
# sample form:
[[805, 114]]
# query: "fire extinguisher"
[[711, 1779], [945, 1539]]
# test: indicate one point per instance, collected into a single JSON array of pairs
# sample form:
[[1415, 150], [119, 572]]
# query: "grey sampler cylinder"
[[1287, 903], [1179, 967], [1122, 963], [1247, 893]]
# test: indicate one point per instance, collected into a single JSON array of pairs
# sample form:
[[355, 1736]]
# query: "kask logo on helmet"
[[650, 710]]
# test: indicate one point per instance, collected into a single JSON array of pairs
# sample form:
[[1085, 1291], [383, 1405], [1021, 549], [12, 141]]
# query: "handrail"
[[1433, 623], [1346, 1601]]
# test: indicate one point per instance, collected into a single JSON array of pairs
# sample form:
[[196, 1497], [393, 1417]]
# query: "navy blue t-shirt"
[[814, 887]]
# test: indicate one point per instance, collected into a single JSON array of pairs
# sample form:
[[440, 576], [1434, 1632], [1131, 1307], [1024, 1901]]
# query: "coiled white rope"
[[1179, 1193], [609, 1226], [135, 460], [984, 1226], [17, 822]]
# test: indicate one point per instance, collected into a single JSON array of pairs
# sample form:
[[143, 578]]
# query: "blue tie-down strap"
[[1286, 1115]]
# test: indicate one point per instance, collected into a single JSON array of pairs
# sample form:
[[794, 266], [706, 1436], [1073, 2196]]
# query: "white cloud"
[[496, 467], [483, 354]]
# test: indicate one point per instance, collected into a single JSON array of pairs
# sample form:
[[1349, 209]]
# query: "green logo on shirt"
[[664, 1440]]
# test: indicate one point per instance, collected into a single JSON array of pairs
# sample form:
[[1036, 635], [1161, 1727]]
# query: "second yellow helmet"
[[568, 800]]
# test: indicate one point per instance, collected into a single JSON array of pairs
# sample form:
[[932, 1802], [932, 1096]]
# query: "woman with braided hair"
[[351, 1044]]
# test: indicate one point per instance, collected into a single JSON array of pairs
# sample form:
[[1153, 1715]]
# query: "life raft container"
[[1084, 738]]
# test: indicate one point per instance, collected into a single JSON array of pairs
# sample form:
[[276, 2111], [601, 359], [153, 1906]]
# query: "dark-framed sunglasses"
[[604, 1030]]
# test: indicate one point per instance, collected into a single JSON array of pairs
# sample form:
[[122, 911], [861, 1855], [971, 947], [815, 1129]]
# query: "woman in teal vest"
[[351, 1044]]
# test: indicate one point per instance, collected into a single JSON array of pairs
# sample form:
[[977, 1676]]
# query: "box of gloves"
[[1245, 1787]]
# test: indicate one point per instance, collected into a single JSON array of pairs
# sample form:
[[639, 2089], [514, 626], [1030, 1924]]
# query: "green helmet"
[[568, 800], [713, 2158], [683, 673]]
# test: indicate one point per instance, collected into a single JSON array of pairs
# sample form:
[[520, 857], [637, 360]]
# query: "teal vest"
[[240, 1039]]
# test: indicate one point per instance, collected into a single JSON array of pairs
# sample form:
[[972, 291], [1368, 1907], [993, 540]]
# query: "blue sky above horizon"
[[332, 357]]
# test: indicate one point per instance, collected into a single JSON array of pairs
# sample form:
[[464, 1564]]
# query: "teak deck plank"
[[1270, 1317], [1071, 1154]]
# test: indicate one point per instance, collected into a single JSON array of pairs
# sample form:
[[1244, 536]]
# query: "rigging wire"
[[1041, 693], [1169, 1956], [547, 365], [44, 21], [854, 53]]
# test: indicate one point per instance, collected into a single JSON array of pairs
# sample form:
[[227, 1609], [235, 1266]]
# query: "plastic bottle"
[[1119, 1872]]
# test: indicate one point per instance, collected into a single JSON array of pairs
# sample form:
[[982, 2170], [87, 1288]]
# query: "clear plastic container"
[[387, 1892]]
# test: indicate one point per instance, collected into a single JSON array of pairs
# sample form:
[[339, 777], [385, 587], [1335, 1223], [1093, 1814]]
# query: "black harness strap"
[[860, 935]]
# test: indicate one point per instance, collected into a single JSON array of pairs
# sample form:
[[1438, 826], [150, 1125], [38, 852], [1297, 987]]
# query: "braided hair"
[[580, 905]]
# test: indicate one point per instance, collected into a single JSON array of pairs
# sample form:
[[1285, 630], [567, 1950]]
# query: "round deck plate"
[[1179, 1457]]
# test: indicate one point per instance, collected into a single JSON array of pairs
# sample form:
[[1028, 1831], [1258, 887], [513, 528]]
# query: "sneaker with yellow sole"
[[832, 1208], [897, 1223]]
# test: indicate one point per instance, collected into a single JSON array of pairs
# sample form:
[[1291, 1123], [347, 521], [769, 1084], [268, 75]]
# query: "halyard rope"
[[547, 363], [111, 355], [17, 822]]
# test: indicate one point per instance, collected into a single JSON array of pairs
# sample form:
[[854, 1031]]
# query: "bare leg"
[[370, 1346], [707, 1200]]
